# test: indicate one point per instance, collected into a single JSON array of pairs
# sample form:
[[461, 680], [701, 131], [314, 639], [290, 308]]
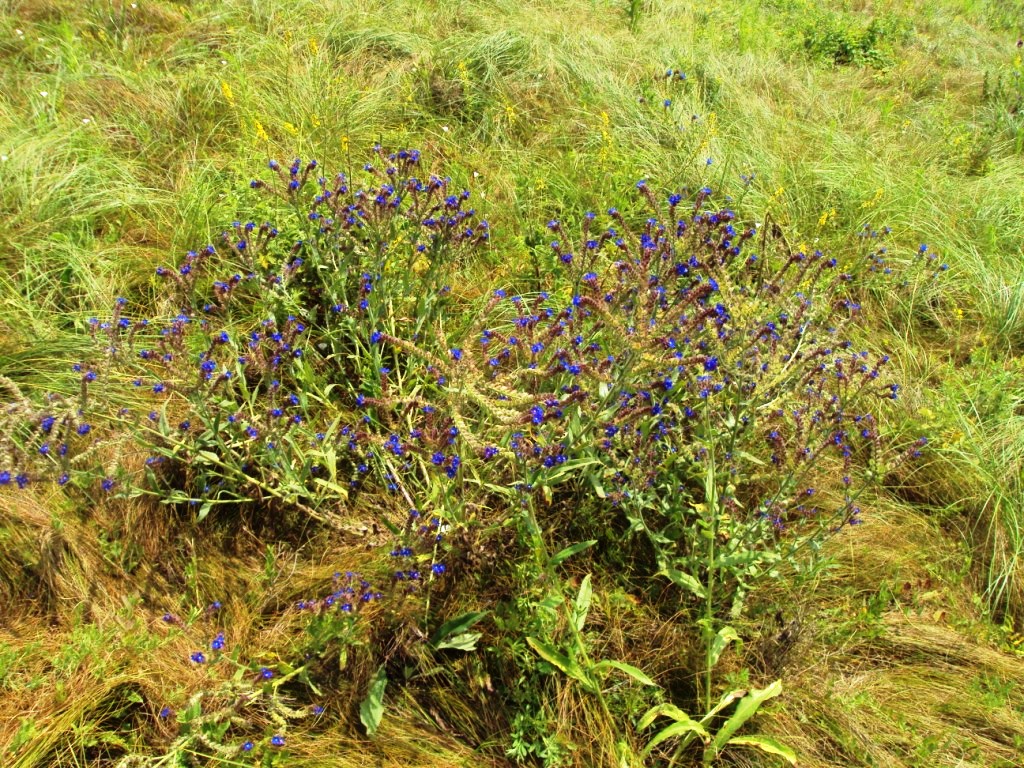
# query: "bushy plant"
[[834, 39], [694, 379]]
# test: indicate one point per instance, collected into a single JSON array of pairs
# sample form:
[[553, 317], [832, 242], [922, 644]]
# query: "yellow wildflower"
[[229, 95]]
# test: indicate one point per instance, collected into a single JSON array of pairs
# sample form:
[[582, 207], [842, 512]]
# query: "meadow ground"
[[129, 133]]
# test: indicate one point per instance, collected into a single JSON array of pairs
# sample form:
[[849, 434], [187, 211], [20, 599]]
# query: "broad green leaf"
[[456, 626], [568, 552], [752, 458], [725, 636], [558, 659], [371, 709], [464, 642], [684, 580], [567, 469], [629, 669], [499, 489], [333, 487], [745, 710], [582, 605], [724, 702], [669, 710], [710, 484], [687, 728], [204, 510], [765, 744]]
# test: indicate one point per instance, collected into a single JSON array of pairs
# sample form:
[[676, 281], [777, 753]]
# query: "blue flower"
[[277, 741]]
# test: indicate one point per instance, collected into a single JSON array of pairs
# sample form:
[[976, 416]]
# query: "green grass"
[[128, 135]]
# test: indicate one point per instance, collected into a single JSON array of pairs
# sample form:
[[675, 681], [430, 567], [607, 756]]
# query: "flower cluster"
[[302, 365]]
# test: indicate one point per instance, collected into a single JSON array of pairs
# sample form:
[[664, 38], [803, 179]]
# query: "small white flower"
[[476, 175], [135, 5], [224, 62], [44, 94], [19, 33], [445, 128], [86, 120], [3, 158]]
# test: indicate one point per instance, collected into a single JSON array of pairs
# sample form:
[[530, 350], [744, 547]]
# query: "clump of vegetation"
[[840, 40], [673, 387]]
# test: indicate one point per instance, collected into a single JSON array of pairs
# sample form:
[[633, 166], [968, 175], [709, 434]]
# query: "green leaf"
[[556, 658], [765, 744], [204, 510], [684, 580], [725, 636], [745, 710], [582, 605], [499, 489], [751, 458], [456, 626], [629, 669], [566, 470], [687, 728], [724, 702], [568, 552], [341, 492], [371, 709], [464, 642], [669, 710], [710, 485]]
